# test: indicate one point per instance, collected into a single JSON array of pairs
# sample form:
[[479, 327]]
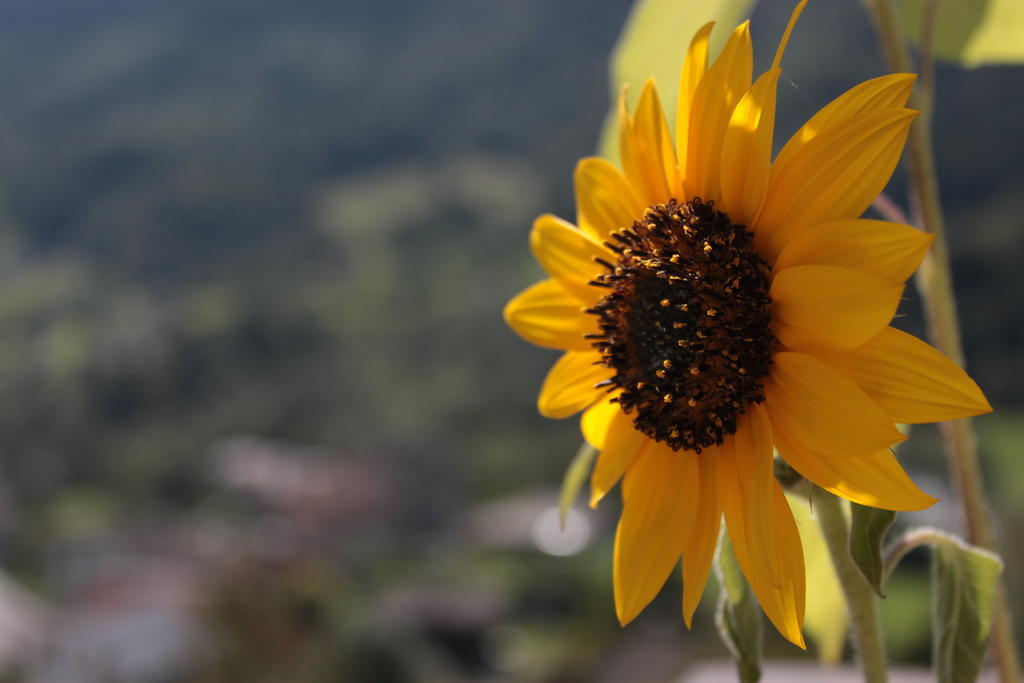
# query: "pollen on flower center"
[[685, 323]]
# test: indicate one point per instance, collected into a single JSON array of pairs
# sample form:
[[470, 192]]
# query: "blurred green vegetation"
[[300, 221]]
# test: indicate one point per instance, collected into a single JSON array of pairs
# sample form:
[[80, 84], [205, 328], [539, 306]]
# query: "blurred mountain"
[[295, 219]]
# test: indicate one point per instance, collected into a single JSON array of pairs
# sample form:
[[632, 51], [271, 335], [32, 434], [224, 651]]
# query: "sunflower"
[[716, 306]]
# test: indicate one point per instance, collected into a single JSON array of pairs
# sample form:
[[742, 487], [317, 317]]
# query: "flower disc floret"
[[685, 325]]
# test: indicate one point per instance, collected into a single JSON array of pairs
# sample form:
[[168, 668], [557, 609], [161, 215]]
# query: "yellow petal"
[[546, 314], [653, 150], [789, 553], [699, 550], [570, 385], [658, 509], [621, 444], [604, 199], [784, 41], [885, 92], [694, 66], [596, 420], [627, 149], [783, 599], [909, 380], [747, 150], [818, 307], [837, 174], [568, 255], [892, 251], [713, 100], [745, 484], [876, 479], [747, 147], [823, 411]]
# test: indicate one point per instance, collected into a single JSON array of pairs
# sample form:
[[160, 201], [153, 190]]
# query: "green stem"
[[861, 601], [935, 282]]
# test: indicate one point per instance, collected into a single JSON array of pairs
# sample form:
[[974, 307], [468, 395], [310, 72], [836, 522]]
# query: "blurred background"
[[261, 418]]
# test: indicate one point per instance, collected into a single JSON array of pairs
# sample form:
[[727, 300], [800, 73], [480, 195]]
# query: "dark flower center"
[[685, 323]]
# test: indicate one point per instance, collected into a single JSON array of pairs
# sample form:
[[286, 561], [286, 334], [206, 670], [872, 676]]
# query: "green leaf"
[[575, 475], [738, 616], [653, 44], [971, 32], [964, 580], [867, 536], [825, 618]]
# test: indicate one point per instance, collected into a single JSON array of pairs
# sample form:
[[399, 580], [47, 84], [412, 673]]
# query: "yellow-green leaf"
[[825, 619], [738, 616], [971, 32], [575, 475], [964, 580], [867, 534], [653, 44]]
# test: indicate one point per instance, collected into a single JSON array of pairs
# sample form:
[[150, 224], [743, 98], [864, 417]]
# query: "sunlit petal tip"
[[876, 479], [625, 120], [571, 384], [747, 148], [742, 35], [784, 41], [908, 379], [568, 255], [694, 67], [622, 107], [688, 619], [883, 92], [508, 310], [627, 608], [904, 78], [625, 611], [653, 170], [980, 405], [605, 201], [797, 638], [714, 97], [508, 313], [549, 315], [912, 502]]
